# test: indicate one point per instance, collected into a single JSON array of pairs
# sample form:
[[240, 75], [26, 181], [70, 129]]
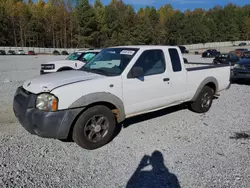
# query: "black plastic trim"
[[55, 124]]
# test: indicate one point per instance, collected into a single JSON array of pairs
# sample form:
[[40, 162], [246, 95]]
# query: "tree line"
[[77, 23]]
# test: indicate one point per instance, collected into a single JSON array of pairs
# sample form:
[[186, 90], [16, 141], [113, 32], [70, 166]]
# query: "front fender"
[[100, 97]]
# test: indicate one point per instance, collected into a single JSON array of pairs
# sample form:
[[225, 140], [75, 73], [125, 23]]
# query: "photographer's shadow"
[[157, 177]]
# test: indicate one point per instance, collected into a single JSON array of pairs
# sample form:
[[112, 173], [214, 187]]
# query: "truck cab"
[[89, 104]]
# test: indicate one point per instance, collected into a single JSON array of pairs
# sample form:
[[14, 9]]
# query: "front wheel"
[[94, 128], [204, 101]]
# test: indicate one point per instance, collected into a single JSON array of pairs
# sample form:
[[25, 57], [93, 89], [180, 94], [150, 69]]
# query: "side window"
[[152, 62], [175, 60]]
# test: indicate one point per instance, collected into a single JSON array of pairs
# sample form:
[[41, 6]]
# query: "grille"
[[247, 67], [47, 66]]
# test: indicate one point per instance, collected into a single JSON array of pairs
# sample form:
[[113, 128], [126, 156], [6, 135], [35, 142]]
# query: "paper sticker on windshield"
[[127, 52]]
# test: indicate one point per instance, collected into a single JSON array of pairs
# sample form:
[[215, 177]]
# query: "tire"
[[85, 133], [205, 96]]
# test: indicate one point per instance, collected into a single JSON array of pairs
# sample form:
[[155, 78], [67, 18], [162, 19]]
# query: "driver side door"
[[150, 91]]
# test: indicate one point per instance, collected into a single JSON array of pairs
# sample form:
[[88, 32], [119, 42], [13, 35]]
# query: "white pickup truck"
[[74, 61], [88, 104]]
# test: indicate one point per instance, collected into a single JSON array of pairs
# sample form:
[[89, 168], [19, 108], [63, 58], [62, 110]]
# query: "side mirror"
[[137, 72]]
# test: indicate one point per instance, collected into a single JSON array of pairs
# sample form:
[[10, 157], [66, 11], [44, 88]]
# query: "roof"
[[92, 50], [145, 46]]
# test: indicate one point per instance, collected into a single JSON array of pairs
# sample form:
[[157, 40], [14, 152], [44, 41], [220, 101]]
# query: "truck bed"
[[200, 71], [191, 66]]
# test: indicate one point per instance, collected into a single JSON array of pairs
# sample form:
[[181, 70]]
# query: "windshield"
[[110, 61], [74, 56]]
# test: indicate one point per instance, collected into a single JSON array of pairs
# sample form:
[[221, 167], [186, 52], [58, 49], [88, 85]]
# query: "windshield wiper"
[[98, 71]]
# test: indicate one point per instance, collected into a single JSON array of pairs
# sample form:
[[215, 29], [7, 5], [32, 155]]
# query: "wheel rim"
[[96, 128], [206, 101]]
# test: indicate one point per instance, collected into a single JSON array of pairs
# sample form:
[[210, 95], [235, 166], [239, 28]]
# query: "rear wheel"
[[94, 128], [204, 101]]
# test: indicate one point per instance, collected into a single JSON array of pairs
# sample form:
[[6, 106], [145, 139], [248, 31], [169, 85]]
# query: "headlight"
[[46, 102]]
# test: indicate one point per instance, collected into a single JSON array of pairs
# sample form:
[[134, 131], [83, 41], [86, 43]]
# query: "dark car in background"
[[55, 52], [241, 51], [226, 58], [185, 60], [221, 59], [241, 70], [64, 52], [2, 52], [11, 52], [243, 44], [210, 53], [246, 54], [183, 49]]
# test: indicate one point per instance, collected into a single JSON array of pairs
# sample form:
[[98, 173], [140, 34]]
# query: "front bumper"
[[240, 74], [44, 124]]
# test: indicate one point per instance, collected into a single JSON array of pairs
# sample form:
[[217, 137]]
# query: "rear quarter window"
[[175, 59]]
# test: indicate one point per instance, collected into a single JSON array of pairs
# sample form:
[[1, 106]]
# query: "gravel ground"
[[185, 149]]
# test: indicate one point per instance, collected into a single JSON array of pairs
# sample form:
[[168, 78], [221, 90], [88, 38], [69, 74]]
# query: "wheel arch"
[[210, 82], [102, 98], [114, 103], [64, 68]]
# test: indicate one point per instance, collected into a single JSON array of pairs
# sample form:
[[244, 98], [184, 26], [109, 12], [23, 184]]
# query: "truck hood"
[[47, 82], [63, 61]]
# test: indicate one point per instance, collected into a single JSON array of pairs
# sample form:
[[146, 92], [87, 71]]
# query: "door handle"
[[166, 79]]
